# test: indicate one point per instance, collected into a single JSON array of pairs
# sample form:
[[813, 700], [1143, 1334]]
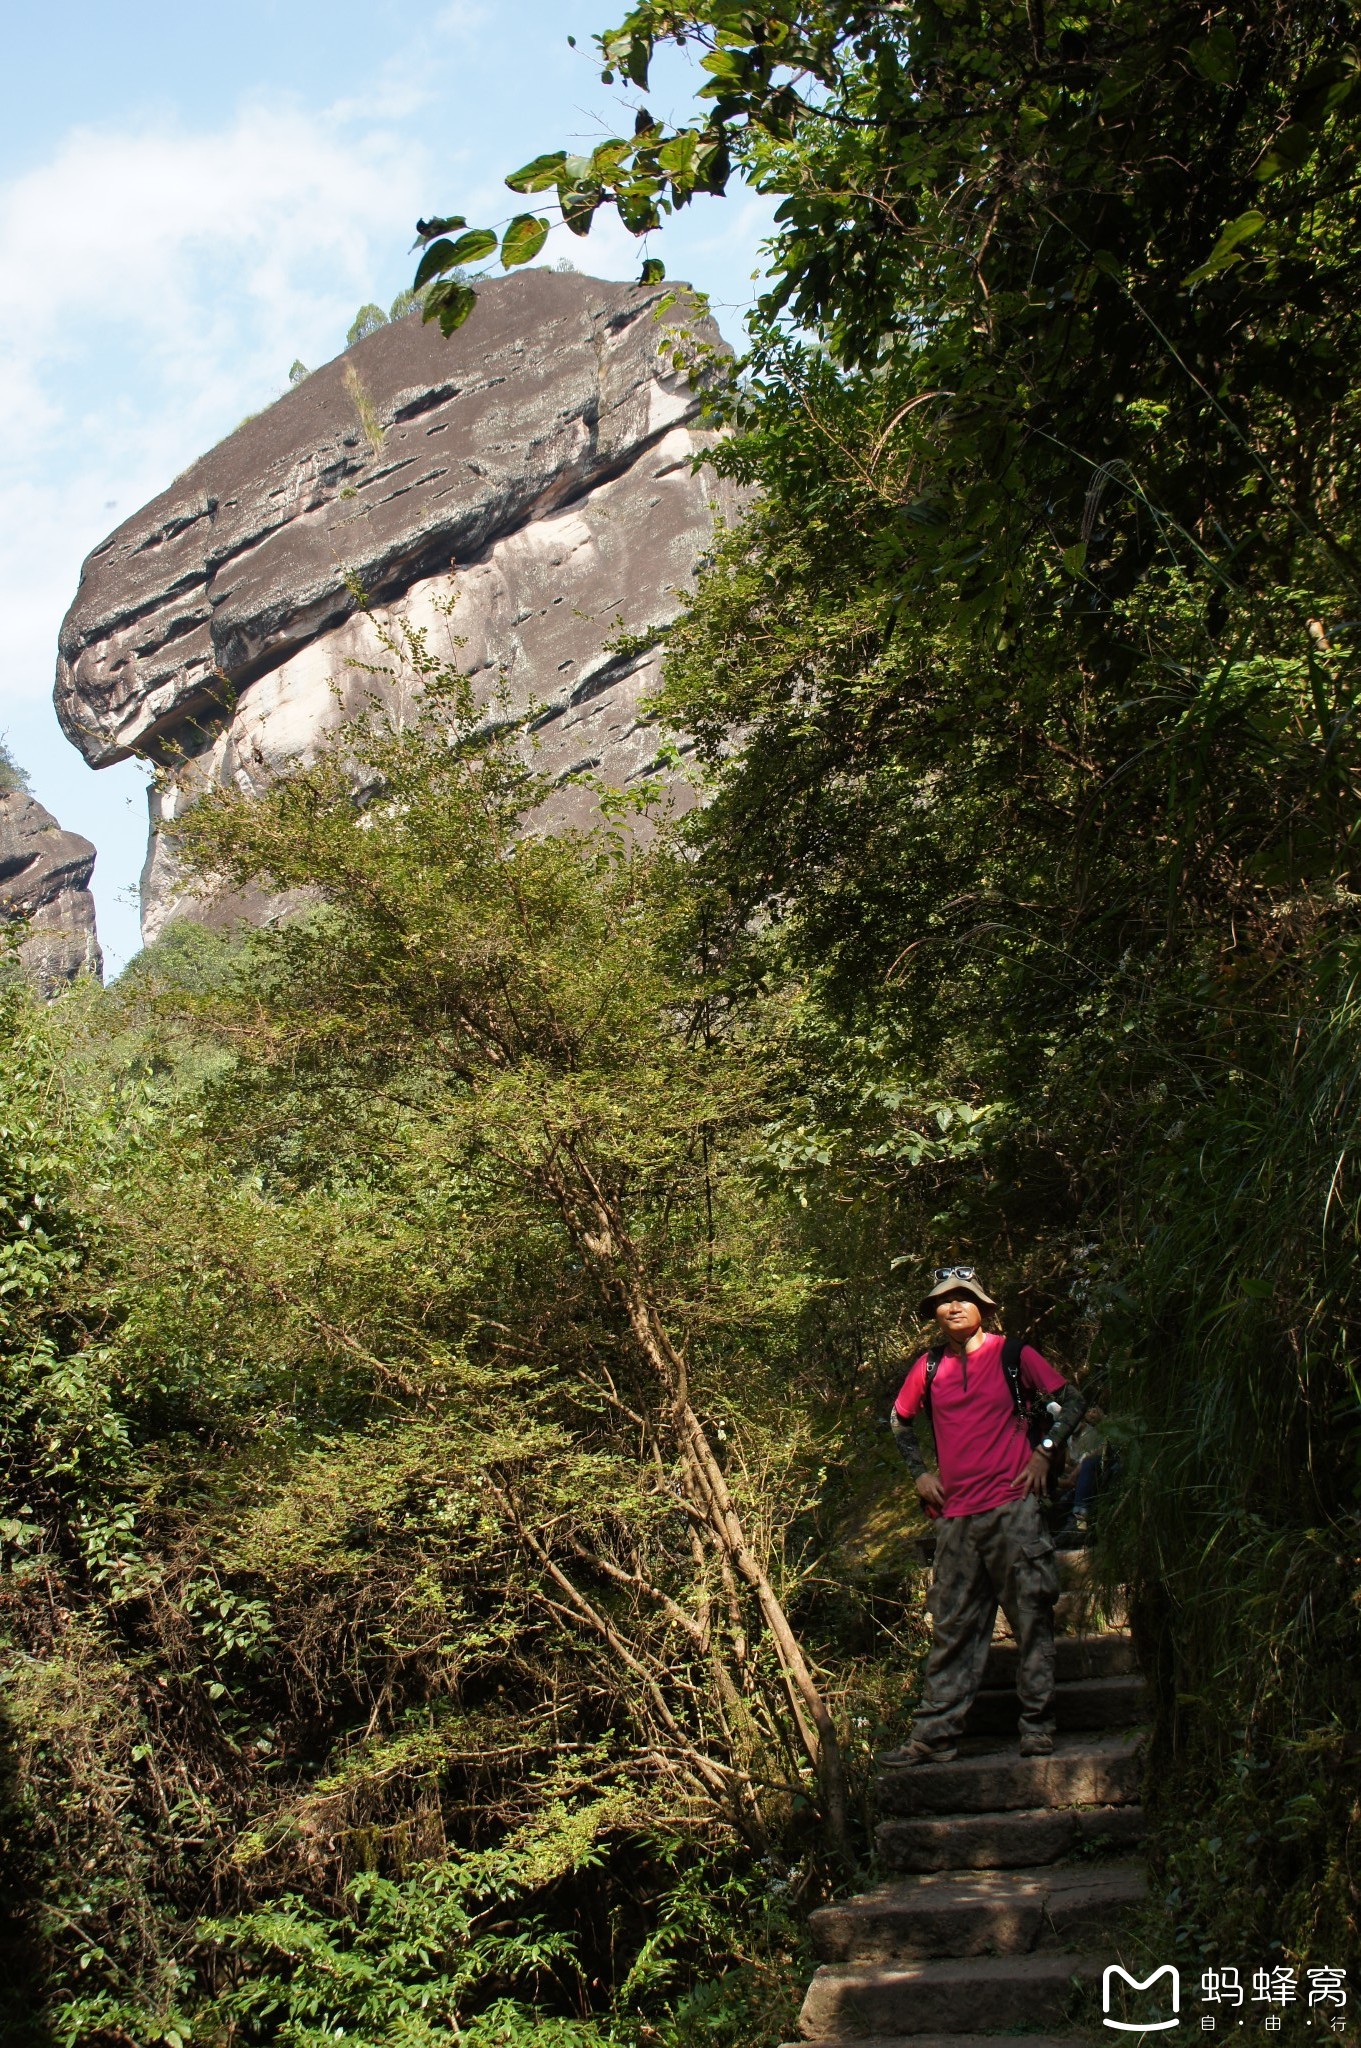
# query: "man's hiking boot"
[[1038, 1743], [1074, 1535], [915, 1752]]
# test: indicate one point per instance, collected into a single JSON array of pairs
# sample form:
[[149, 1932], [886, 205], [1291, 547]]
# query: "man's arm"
[[905, 1436], [901, 1417], [1071, 1403], [1065, 1405]]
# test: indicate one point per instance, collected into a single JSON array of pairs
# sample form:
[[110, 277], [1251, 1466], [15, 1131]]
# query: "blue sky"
[[191, 197]]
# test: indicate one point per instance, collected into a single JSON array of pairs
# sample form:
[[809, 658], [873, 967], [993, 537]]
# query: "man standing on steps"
[[975, 1387]]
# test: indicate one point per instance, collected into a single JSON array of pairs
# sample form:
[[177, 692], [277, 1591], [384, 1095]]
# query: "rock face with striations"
[[44, 879], [534, 473]]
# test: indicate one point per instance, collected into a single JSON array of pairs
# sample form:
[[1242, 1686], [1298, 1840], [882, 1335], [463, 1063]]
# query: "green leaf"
[[472, 247], [1228, 249], [578, 207], [680, 155], [638, 212], [606, 157], [450, 303], [926, 511], [629, 51], [714, 169], [440, 224], [1289, 152], [1215, 55], [523, 239], [438, 258], [1075, 558], [654, 270], [539, 173]]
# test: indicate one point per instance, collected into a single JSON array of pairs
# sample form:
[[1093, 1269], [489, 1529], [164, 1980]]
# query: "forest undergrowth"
[[427, 1445]]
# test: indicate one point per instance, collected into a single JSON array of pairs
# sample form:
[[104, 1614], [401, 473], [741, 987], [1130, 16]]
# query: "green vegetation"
[[1042, 651], [428, 1437], [366, 412], [12, 776], [366, 321]]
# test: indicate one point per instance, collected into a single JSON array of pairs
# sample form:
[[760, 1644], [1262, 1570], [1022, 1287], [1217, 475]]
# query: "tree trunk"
[[607, 1243]]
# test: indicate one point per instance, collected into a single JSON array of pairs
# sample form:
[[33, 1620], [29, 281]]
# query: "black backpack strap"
[[1012, 1347], [1033, 1413], [933, 1359]]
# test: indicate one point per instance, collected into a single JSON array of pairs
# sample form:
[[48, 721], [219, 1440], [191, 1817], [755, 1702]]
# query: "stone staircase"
[[1016, 1870]]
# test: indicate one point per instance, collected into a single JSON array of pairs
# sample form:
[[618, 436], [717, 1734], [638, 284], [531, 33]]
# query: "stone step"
[[845, 2002], [1078, 1612], [1102, 1656], [1004, 1841], [990, 1912], [963, 2041], [1083, 1703], [1082, 1608], [1105, 1770]]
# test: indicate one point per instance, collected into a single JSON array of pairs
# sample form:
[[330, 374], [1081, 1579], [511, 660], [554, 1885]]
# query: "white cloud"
[[156, 281], [186, 246], [155, 285]]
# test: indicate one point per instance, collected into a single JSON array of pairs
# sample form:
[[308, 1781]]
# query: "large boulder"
[[44, 881], [524, 492]]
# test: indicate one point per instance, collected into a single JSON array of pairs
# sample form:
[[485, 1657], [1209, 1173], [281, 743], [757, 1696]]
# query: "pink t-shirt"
[[981, 1441]]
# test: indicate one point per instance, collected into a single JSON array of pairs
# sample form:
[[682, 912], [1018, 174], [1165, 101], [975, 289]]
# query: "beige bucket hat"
[[956, 1280]]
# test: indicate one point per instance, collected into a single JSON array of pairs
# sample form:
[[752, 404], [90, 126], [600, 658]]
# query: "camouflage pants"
[[1004, 1558]]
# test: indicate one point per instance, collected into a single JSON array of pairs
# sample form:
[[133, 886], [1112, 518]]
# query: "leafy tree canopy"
[[365, 322], [1029, 695], [1093, 254], [12, 776]]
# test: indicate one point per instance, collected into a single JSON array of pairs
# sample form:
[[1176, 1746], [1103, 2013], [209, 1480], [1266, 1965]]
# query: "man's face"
[[959, 1315]]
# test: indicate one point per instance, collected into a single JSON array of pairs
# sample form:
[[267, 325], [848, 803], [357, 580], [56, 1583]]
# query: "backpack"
[[1036, 1414]]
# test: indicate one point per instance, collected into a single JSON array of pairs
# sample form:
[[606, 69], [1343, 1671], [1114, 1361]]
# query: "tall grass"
[[1235, 1367]]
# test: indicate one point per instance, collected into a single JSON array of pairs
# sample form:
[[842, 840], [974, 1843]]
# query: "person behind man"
[[1089, 1455], [992, 1546]]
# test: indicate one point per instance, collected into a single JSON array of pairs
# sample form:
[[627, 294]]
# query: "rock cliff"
[[44, 878], [534, 471]]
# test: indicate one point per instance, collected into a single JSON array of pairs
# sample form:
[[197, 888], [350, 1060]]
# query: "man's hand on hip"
[[931, 1491], [1035, 1478]]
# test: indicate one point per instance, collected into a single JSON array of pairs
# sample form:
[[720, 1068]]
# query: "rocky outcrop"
[[524, 492], [44, 881]]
